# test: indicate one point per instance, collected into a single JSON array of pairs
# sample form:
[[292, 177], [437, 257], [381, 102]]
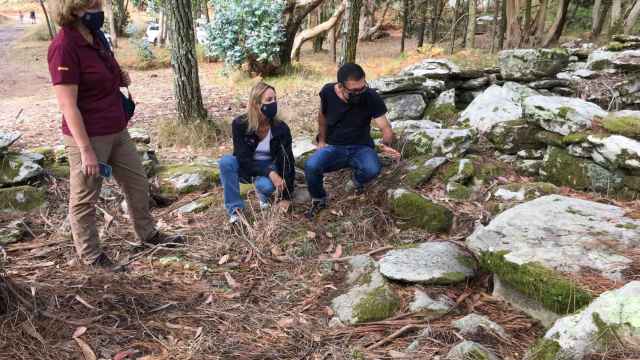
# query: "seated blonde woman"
[[262, 153]]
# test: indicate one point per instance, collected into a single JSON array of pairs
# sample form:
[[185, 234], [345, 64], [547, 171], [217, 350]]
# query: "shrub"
[[247, 31]]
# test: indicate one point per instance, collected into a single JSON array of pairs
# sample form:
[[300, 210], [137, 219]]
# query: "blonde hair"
[[64, 10], [253, 106]]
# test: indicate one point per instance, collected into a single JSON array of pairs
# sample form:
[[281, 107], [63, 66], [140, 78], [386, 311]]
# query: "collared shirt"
[[73, 60]]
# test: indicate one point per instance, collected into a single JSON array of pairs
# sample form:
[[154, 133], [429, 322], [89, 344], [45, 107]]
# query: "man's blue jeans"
[[361, 158], [230, 180]]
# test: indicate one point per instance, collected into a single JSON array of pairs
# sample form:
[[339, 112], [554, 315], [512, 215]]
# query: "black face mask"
[[269, 110], [93, 20]]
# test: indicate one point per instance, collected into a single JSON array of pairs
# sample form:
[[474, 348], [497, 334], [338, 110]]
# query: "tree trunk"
[[599, 15], [502, 29], [494, 28], [205, 10], [112, 22], [471, 25], [527, 14], [405, 23], [630, 21], [295, 13], [422, 24], [369, 32], [454, 21], [513, 31], [350, 24], [438, 8], [49, 24], [315, 31], [186, 82], [333, 40], [162, 37], [555, 32], [538, 27], [616, 17]]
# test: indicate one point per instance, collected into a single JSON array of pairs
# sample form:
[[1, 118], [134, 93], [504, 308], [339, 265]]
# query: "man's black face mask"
[[355, 96]]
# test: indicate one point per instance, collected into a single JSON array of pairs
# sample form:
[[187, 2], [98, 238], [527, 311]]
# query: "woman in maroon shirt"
[[87, 79]]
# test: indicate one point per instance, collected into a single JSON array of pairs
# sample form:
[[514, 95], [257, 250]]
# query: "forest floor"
[[259, 292]]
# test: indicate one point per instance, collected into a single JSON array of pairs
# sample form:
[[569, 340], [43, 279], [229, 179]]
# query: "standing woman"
[[262, 153], [86, 80]]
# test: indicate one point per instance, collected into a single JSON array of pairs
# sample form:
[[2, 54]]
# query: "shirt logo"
[[63, 68]]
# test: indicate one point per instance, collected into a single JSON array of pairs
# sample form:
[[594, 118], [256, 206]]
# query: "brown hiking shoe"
[[165, 239]]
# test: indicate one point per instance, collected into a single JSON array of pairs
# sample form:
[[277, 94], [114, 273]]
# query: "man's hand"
[[126, 79], [277, 181], [283, 206], [321, 144], [389, 151], [89, 161]]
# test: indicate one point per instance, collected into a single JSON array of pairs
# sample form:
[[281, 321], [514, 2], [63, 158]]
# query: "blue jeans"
[[230, 180], [361, 158]]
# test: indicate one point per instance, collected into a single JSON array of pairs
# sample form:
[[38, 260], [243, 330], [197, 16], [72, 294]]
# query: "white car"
[[153, 33]]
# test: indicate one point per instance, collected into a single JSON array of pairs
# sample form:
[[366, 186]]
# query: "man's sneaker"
[[103, 262], [353, 185], [316, 207], [234, 219], [162, 239]]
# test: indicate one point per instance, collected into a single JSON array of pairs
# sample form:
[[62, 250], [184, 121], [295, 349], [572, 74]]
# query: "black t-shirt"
[[350, 124]]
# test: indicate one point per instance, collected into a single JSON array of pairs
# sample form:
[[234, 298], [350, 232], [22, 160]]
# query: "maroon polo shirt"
[[73, 60]]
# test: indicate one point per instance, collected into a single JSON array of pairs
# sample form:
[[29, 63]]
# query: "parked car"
[[153, 33]]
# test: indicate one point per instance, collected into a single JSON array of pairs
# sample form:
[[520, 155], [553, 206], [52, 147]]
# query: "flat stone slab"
[[428, 263], [8, 138], [532, 245]]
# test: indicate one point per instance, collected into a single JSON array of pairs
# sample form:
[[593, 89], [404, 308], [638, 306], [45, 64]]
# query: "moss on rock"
[[458, 191], [183, 179], [549, 138], [575, 138], [460, 170], [443, 113], [544, 349], [420, 170], [48, 153], [628, 126], [551, 289], [21, 198], [379, 304], [414, 210]]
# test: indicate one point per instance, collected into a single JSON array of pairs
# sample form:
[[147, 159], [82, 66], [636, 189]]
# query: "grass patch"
[[130, 56], [200, 135], [38, 32]]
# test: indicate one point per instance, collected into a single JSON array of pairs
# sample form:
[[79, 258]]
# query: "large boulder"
[[610, 321], [616, 151], [181, 179], [417, 84], [18, 168], [532, 246], [7, 139], [495, 105], [139, 135], [433, 69], [600, 60], [405, 106], [369, 299], [563, 169], [21, 198], [532, 64], [420, 169], [628, 60], [428, 263], [413, 210], [437, 142], [12, 232], [512, 136], [562, 115], [443, 108]]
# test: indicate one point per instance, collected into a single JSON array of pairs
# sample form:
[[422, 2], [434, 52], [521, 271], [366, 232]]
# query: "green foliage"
[[121, 16], [144, 53], [245, 30]]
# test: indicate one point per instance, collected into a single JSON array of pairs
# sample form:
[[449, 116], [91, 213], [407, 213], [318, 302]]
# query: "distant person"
[[347, 108], [262, 154], [86, 80], [21, 16], [32, 15]]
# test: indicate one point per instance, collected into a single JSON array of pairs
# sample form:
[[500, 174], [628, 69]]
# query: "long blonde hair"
[[253, 106], [64, 10]]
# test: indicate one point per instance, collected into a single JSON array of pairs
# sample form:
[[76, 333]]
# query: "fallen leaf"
[[338, 253], [87, 352], [125, 354], [285, 323], [231, 281], [79, 332], [223, 260]]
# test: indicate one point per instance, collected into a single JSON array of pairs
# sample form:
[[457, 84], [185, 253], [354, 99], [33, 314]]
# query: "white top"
[[263, 151]]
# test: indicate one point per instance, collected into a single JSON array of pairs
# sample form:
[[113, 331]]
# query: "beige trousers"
[[118, 151]]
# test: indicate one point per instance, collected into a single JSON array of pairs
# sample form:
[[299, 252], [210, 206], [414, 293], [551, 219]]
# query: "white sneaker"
[[234, 219], [264, 205]]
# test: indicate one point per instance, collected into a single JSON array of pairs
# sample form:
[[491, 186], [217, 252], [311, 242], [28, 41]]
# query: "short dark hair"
[[350, 71]]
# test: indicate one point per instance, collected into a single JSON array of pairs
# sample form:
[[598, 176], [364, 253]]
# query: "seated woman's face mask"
[[269, 110]]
